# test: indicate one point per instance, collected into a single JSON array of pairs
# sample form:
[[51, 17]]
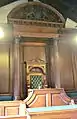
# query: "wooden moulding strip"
[[36, 35]]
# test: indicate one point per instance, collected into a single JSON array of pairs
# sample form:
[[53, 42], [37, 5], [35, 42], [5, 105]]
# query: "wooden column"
[[17, 69], [56, 64], [24, 88], [48, 62]]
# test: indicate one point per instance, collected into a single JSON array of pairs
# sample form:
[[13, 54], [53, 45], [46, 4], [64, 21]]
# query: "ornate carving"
[[35, 12], [37, 60], [37, 23]]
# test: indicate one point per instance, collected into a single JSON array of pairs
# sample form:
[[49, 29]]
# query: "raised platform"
[[44, 98], [47, 97]]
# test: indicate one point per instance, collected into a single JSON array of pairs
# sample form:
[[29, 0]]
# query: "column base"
[[16, 97]]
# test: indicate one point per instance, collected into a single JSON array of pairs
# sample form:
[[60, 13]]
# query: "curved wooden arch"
[[40, 69]]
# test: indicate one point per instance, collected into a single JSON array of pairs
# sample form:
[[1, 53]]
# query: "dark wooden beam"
[[30, 0]]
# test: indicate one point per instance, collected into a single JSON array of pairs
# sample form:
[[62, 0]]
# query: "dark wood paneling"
[[33, 52], [5, 69], [74, 63], [66, 67]]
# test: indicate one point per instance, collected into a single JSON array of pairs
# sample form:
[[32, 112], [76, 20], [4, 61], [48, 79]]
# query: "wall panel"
[[66, 67], [5, 72], [33, 52]]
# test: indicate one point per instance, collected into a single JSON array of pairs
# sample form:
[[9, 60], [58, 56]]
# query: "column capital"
[[17, 40]]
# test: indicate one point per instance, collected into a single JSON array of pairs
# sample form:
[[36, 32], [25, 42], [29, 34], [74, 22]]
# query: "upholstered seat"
[[6, 98], [35, 81]]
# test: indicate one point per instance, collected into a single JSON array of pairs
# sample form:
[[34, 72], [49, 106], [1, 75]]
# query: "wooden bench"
[[54, 112], [9, 108], [37, 98]]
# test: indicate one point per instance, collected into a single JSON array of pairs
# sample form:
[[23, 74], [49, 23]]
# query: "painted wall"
[[70, 24], [7, 8]]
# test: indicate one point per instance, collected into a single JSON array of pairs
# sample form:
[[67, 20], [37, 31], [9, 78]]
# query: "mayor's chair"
[[36, 74]]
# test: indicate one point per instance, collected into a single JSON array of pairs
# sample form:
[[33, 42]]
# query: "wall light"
[[75, 39], [1, 33]]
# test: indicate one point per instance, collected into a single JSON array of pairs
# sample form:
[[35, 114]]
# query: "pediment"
[[36, 12]]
